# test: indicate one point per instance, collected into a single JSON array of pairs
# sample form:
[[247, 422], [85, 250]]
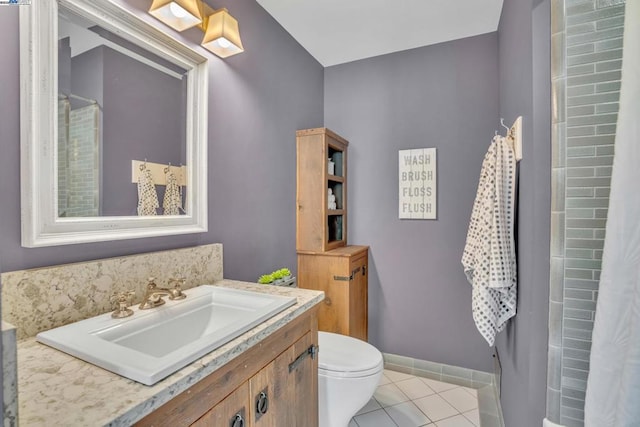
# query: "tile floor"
[[403, 400]]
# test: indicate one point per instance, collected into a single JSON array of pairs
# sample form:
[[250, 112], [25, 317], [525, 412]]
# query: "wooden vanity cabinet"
[[343, 276], [274, 383]]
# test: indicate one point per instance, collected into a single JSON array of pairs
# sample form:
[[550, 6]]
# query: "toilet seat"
[[347, 357]]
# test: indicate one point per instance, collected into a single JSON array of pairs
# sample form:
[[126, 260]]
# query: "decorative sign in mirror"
[[102, 93]]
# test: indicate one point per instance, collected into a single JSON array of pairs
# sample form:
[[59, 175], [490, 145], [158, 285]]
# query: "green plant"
[[277, 275], [285, 272], [265, 279]]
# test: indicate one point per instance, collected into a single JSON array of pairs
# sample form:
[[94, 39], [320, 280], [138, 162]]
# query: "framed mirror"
[[113, 116]]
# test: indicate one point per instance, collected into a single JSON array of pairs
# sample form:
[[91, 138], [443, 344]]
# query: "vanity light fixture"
[[221, 33]]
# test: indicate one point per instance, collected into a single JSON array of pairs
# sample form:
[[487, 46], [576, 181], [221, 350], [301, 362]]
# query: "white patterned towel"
[[147, 196], [489, 258], [172, 202]]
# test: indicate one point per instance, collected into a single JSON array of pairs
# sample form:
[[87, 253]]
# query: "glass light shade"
[[178, 14], [222, 35]]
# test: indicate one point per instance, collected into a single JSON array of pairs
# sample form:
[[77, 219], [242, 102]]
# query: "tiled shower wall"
[[586, 62]]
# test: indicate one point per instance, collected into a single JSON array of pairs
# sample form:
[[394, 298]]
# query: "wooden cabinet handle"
[[311, 351], [262, 404], [327, 300]]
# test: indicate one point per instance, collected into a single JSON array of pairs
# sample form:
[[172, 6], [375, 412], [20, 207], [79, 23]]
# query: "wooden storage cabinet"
[[272, 384], [320, 228], [343, 276]]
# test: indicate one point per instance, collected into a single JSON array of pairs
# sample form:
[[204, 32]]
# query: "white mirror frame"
[[41, 225]]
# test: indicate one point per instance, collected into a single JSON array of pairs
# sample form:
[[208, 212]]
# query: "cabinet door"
[[358, 298], [233, 411], [285, 392]]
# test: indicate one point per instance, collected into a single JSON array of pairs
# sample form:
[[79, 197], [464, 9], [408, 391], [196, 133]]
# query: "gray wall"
[[443, 96], [525, 90], [256, 102]]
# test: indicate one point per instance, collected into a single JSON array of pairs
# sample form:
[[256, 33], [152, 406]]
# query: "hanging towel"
[[489, 258], [172, 202], [147, 196]]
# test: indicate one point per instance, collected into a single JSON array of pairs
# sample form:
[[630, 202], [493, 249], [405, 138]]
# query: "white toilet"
[[349, 371]]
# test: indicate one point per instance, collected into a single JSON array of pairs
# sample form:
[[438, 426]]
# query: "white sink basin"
[[154, 343]]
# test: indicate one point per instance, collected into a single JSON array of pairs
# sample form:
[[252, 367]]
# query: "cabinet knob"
[[327, 300], [237, 420]]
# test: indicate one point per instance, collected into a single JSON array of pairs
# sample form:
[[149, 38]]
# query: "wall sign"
[[417, 183]]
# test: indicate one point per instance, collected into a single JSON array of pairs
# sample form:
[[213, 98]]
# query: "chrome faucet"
[[153, 295]]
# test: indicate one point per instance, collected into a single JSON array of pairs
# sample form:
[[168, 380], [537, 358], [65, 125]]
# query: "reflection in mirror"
[[117, 103], [101, 92]]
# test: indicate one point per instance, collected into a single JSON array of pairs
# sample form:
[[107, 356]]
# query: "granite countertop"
[[58, 389]]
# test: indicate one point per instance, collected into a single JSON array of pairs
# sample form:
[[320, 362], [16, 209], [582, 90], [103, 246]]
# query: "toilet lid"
[[345, 356]]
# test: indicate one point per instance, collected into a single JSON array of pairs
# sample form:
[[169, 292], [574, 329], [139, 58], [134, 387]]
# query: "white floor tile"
[[377, 418], [384, 379], [473, 416], [396, 376], [389, 395], [415, 388], [371, 405], [353, 423], [407, 415], [460, 399], [472, 391], [438, 386], [457, 421], [435, 407]]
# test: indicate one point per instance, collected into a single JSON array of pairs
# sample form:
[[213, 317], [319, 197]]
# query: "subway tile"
[[590, 161], [579, 233], [581, 90], [616, 21], [599, 234], [588, 76], [456, 371], [579, 253], [575, 373], [588, 182], [558, 190], [581, 70], [558, 96], [578, 214], [578, 29], [597, 16], [581, 151], [425, 365], [607, 3], [607, 87], [604, 171], [427, 374], [601, 213], [581, 172], [580, 304], [584, 263], [606, 129], [605, 151], [571, 313], [592, 120], [572, 403], [586, 223], [581, 284], [609, 44], [577, 334], [575, 131], [580, 8], [585, 243], [482, 377], [582, 110], [588, 58], [609, 33], [593, 99], [574, 273], [573, 393], [611, 107], [576, 364], [576, 354], [581, 49], [556, 279], [585, 325], [395, 359], [596, 275], [576, 344], [588, 203], [609, 66], [558, 57], [457, 380], [554, 373], [597, 255], [580, 192]]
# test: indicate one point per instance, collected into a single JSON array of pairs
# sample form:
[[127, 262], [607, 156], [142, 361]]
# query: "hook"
[[503, 125], [168, 168]]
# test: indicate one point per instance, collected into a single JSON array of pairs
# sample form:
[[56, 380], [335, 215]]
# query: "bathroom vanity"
[[267, 376]]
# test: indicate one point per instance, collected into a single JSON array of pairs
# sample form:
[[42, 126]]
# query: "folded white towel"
[[489, 258]]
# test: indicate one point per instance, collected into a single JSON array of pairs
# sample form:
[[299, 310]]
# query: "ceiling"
[[339, 31]]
